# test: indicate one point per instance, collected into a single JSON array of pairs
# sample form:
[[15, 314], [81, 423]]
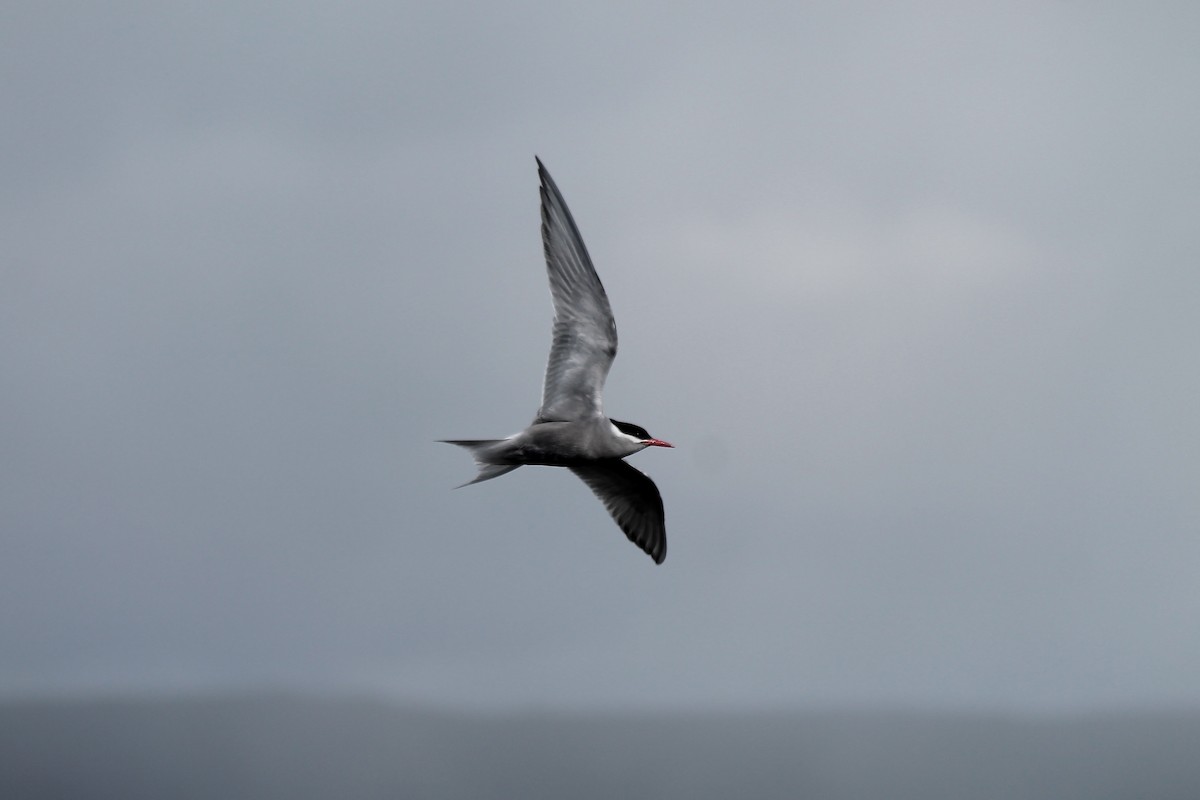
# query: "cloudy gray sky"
[[913, 288]]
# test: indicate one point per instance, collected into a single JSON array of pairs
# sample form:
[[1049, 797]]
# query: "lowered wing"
[[633, 501]]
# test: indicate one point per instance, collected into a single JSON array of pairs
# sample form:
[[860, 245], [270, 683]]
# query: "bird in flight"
[[570, 429]]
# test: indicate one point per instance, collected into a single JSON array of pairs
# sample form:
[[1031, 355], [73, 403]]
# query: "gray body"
[[570, 429], [561, 444]]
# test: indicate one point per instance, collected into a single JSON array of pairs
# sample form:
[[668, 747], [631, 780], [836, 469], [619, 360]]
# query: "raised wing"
[[585, 334], [633, 501]]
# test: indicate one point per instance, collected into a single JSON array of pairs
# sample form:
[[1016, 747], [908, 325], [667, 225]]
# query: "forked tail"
[[478, 448]]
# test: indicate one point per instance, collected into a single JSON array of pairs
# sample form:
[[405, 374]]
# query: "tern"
[[570, 429]]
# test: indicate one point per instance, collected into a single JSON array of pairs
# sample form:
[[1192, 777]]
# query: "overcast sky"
[[915, 290]]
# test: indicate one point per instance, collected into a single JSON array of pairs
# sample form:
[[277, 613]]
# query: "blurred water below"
[[262, 746]]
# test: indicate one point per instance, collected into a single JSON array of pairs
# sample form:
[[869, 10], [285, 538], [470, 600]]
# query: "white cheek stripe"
[[624, 435]]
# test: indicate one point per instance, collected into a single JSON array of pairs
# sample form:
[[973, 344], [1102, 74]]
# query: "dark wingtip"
[[657, 550], [660, 555]]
